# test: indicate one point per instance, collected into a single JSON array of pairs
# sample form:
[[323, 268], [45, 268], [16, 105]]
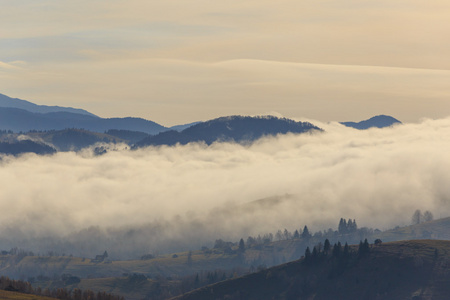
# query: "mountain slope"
[[25, 146], [21, 120], [437, 229], [397, 270], [6, 101], [183, 126], [73, 139], [8, 295], [380, 121], [130, 136], [229, 129]]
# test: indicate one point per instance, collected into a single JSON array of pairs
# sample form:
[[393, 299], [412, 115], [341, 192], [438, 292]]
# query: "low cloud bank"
[[174, 198]]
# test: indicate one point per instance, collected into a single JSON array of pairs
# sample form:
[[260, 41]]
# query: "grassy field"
[[438, 229], [5, 295], [167, 265]]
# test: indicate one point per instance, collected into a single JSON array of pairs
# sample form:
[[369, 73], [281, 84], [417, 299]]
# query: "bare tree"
[[427, 216], [417, 217]]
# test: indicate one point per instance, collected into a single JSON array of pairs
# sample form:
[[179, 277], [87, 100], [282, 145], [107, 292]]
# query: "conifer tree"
[[315, 253], [241, 248], [366, 246], [427, 216], [342, 228], [363, 248], [349, 225], [307, 254], [337, 249], [355, 227], [417, 217], [305, 233], [346, 250], [326, 247]]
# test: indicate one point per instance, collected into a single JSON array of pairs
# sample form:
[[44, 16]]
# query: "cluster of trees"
[[419, 217], [3, 132], [60, 293], [347, 231], [346, 227], [260, 240], [16, 251], [19, 147], [161, 287], [203, 278], [341, 254], [280, 235]]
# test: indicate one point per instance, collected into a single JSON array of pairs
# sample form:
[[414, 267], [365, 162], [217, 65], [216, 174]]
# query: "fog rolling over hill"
[[186, 196], [25, 146]]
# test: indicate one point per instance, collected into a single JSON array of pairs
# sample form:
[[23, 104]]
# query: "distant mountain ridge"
[[17, 120], [229, 129], [6, 101], [380, 121], [22, 116]]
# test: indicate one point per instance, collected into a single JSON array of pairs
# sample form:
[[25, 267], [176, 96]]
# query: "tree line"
[[60, 293]]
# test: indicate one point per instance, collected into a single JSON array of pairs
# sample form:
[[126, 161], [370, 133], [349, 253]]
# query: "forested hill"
[[25, 146], [16, 120], [6, 101], [229, 129], [398, 270], [380, 121]]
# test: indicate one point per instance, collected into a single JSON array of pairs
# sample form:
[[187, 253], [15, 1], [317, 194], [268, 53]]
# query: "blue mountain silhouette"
[[380, 121]]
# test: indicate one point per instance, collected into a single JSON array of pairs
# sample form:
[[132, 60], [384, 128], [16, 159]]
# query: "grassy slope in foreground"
[[6, 295], [418, 269], [437, 229]]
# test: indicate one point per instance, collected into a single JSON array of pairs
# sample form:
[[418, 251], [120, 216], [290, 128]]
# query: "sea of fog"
[[163, 199]]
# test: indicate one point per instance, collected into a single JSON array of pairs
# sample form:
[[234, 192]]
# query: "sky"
[[167, 199], [175, 62]]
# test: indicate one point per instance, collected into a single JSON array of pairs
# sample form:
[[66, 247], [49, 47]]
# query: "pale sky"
[[176, 62]]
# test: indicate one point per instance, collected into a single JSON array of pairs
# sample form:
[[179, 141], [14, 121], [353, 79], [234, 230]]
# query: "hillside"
[[166, 265], [7, 295], [129, 136], [20, 120], [229, 129], [415, 269], [437, 229], [171, 273], [25, 146], [74, 139], [49, 142], [6, 101], [183, 126], [377, 121]]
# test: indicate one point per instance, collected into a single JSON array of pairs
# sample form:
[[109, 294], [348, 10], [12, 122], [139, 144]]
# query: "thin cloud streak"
[[173, 92]]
